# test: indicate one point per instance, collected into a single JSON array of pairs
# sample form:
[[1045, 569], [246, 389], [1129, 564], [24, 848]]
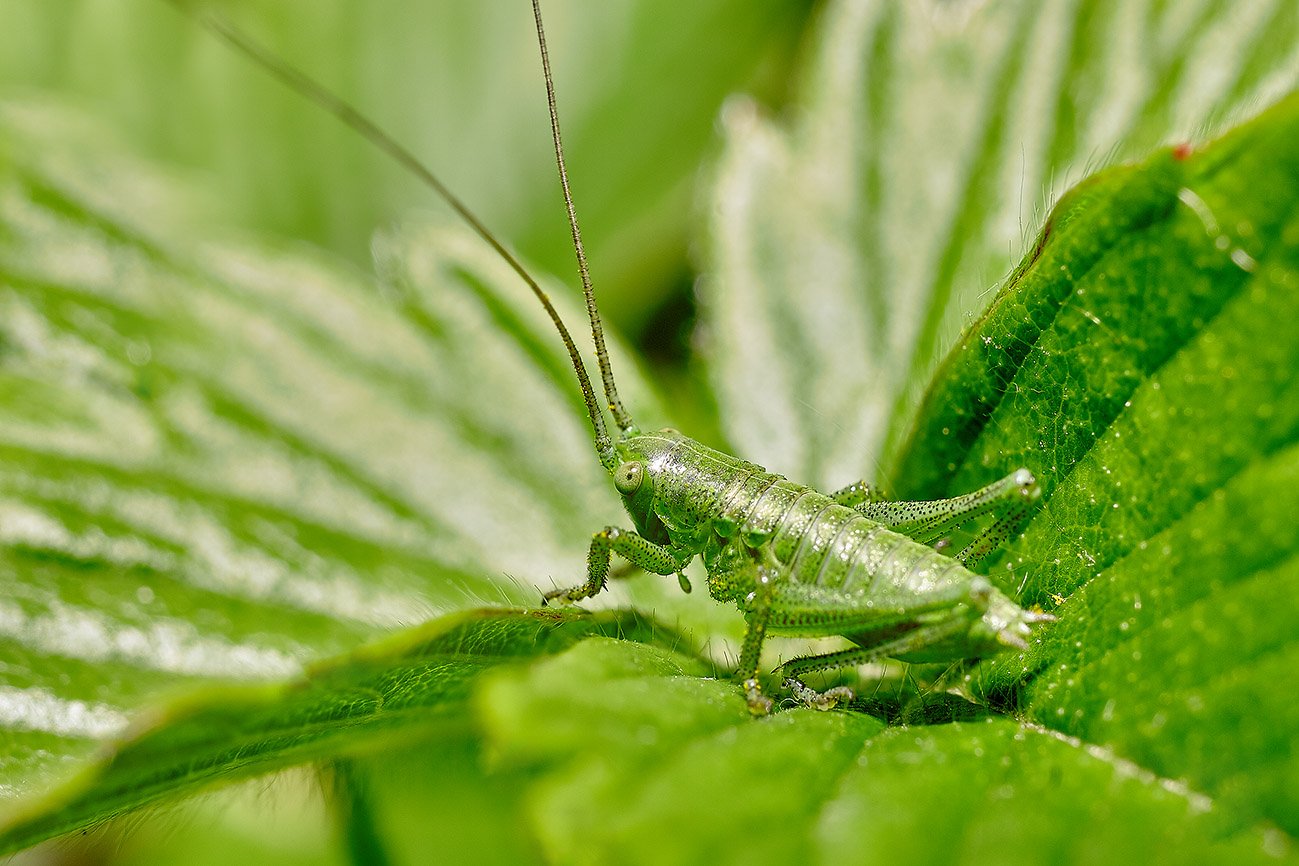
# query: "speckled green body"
[[836, 571]]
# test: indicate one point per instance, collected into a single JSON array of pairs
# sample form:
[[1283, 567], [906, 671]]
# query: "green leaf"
[[409, 685], [1134, 302], [632, 759], [258, 442], [1144, 363], [222, 463], [458, 82], [852, 243]]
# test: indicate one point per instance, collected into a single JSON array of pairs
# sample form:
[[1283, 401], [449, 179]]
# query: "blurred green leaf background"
[[265, 405], [640, 90]]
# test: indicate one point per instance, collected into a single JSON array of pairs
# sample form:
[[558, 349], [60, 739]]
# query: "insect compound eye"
[[628, 478]]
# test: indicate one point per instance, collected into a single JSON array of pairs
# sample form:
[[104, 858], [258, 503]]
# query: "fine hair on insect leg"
[[795, 561]]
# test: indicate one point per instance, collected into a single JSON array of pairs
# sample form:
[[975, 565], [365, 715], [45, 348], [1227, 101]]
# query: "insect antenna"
[[620, 414], [315, 92]]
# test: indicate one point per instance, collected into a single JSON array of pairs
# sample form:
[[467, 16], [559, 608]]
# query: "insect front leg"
[[639, 551]]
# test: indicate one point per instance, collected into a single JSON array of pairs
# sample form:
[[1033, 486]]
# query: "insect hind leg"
[[1008, 499], [857, 494], [1002, 530]]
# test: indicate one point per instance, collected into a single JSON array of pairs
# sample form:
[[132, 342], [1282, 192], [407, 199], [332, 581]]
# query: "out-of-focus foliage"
[[224, 461]]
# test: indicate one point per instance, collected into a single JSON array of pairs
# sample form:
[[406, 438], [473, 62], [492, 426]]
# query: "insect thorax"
[[689, 487]]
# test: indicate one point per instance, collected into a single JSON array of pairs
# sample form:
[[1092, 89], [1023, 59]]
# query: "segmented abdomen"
[[830, 545]]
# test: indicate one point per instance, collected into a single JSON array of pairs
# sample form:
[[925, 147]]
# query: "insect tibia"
[[1008, 500], [639, 551]]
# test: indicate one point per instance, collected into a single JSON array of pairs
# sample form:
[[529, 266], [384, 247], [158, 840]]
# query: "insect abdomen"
[[816, 540], [821, 542]]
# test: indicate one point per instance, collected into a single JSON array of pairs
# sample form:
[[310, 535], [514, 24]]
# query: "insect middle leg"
[[749, 575], [640, 551], [1008, 499], [758, 615]]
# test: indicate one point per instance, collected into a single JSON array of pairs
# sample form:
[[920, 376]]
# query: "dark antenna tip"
[[620, 415]]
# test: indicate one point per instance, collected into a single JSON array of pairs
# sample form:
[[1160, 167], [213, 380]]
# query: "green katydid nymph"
[[796, 561]]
